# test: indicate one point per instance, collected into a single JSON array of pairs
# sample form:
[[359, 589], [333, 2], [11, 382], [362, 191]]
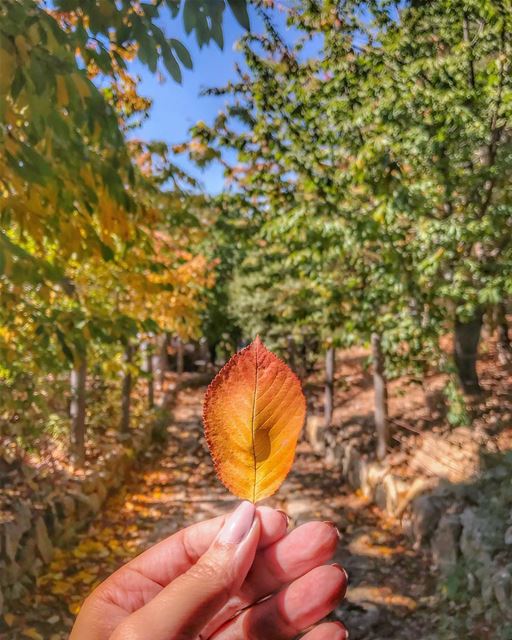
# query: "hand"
[[209, 582]]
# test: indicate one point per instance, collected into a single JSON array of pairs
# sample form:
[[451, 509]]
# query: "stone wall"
[[466, 524], [28, 537]]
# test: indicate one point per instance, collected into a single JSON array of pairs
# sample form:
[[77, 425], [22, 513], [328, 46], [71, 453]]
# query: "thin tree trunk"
[[77, 409], [179, 356], [148, 367], [212, 348], [329, 386], [466, 339], [292, 352], [163, 360], [126, 392], [504, 345], [381, 397]]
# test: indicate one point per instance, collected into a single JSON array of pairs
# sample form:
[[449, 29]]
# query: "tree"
[[381, 162], [87, 259]]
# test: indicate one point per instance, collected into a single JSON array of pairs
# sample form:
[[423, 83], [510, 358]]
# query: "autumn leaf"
[[253, 413]]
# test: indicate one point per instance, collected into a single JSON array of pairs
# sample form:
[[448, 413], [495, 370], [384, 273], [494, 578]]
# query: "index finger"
[[162, 563]]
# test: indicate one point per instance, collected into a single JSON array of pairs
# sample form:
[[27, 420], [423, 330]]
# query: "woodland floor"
[[391, 592]]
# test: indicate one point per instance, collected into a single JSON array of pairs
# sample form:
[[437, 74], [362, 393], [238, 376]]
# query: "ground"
[[391, 591]]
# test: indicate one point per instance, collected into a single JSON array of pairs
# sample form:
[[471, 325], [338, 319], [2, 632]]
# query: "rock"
[[299, 510], [445, 543], [12, 536], [101, 491], [426, 511], [43, 542], [473, 539], [314, 428], [27, 554], [502, 585], [374, 474], [13, 573], [87, 504], [23, 516], [352, 466], [67, 505]]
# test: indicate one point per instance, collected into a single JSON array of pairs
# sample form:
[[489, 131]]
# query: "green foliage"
[[379, 166], [94, 247], [457, 411]]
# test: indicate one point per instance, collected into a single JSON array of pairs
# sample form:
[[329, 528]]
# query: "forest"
[[363, 232]]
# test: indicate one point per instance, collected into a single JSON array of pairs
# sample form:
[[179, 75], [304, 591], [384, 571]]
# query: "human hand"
[[209, 581]]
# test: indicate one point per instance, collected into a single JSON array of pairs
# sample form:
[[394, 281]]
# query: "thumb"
[[184, 607]]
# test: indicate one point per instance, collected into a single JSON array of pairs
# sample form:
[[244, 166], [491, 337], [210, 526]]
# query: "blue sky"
[[177, 107]]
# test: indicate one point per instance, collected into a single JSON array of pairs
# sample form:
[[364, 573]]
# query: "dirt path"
[[389, 584]]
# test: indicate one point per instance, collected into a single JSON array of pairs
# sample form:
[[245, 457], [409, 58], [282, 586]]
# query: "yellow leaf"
[[9, 619], [74, 608], [62, 92], [253, 413], [30, 632]]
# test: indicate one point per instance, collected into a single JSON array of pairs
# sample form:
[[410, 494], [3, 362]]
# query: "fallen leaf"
[[253, 413], [30, 632], [9, 619]]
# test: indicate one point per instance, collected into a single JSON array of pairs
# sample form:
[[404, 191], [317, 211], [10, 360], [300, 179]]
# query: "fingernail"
[[285, 516], [237, 524], [344, 629], [338, 566], [333, 525]]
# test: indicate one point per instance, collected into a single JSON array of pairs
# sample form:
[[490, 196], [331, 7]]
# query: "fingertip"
[[274, 526], [333, 577], [328, 631]]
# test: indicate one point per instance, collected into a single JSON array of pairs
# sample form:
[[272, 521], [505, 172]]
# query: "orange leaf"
[[253, 413]]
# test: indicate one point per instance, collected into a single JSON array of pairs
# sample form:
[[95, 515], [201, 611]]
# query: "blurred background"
[[179, 176]]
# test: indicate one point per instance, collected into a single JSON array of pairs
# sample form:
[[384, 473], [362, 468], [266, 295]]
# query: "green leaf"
[[239, 8], [181, 52], [171, 65]]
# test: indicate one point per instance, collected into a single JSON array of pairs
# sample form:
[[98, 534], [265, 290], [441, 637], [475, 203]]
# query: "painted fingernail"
[[237, 524], [342, 569], [333, 525], [285, 516], [344, 629]]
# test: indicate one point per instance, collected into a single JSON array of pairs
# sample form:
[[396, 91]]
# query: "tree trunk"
[[126, 392], [381, 397], [292, 352], [504, 346], [77, 409], [466, 339], [179, 356], [148, 368], [163, 360], [329, 386], [212, 348]]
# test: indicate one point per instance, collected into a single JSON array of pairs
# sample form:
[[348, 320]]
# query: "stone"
[[12, 536], [43, 541], [13, 573], [27, 554], [23, 516], [314, 428], [445, 543], [86, 505], [67, 505], [502, 584], [374, 474], [352, 466], [473, 539], [101, 491], [426, 511]]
